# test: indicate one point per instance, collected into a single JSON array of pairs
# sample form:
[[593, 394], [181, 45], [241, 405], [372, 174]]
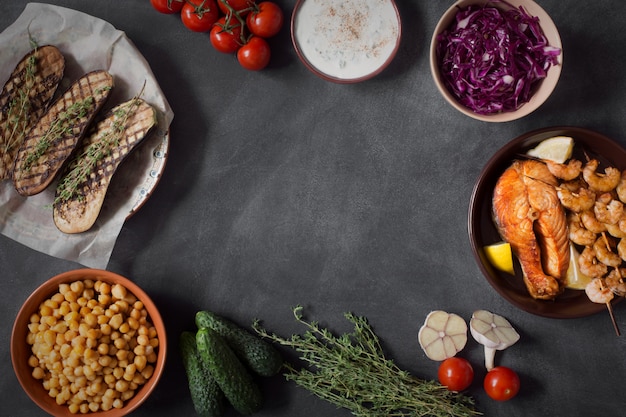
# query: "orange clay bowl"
[[21, 350]]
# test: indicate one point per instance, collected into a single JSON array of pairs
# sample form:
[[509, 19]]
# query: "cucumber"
[[231, 375], [208, 399], [260, 356]]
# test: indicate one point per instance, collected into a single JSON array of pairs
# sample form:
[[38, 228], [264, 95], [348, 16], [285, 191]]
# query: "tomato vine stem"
[[238, 15]]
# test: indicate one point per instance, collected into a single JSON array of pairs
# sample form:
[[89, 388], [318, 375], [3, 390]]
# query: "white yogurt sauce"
[[347, 39]]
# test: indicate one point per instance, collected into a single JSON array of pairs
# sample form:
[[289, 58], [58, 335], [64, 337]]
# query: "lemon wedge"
[[558, 149], [501, 256], [575, 279]]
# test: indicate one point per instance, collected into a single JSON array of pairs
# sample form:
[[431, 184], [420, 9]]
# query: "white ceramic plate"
[[87, 43], [91, 43]]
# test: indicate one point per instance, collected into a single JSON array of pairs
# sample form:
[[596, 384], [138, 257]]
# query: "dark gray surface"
[[284, 189]]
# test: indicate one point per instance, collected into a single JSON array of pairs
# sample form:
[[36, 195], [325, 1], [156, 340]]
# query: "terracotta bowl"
[[543, 89], [483, 232], [333, 38], [21, 350]]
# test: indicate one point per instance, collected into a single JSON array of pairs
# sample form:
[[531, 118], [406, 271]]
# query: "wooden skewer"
[[610, 308]]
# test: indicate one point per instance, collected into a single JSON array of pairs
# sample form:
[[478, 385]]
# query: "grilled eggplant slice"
[[24, 99], [83, 185], [54, 137]]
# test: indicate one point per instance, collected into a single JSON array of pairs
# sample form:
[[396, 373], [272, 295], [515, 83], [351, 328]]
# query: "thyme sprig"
[[84, 164], [351, 371], [62, 126], [17, 114]]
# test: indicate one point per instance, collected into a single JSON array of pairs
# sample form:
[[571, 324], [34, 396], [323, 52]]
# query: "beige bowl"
[[21, 350], [542, 90]]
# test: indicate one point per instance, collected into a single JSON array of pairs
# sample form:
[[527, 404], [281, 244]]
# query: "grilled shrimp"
[[604, 254], [621, 187], [615, 230], [589, 264], [621, 249], [574, 185], [615, 281], [577, 231], [601, 182], [598, 292], [566, 172], [580, 200], [590, 222], [607, 210]]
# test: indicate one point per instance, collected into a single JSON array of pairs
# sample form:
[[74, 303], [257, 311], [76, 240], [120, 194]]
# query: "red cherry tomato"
[[226, 37], [200, 15], [237, 5], [167, 6], [456, 374], [266, 21], [501, 383], [254, 55]]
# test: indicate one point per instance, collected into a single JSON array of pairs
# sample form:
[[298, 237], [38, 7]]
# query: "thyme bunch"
[[351, 371]]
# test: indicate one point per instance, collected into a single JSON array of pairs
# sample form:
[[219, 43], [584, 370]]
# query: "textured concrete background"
[[283, 189]]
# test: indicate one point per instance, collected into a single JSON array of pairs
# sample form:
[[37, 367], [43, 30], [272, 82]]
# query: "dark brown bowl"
[[482, 230]]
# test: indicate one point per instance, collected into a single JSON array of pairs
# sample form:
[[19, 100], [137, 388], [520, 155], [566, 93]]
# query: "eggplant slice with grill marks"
[[54, 137], [83, 185], [24, 99]]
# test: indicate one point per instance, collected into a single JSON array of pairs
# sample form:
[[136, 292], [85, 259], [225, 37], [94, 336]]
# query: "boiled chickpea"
[[92, 345]]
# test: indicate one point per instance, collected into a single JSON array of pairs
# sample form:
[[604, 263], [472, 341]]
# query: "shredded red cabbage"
[[491, 59]]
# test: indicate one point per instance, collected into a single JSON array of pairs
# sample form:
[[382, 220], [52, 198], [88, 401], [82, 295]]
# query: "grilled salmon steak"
[[529, 215], [54, 137], [83, 185], [24, 99]]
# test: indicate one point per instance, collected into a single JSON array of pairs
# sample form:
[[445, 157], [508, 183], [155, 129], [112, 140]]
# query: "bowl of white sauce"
[[346, 41]]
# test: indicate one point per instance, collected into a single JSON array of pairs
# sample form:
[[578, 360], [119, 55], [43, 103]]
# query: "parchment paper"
[[88, 43]]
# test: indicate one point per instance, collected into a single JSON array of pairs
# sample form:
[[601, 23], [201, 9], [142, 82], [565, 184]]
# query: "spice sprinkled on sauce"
[[347, 39]]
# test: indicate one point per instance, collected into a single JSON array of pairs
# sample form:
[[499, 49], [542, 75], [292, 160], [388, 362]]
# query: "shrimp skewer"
[[589, 220], [615, 281], [602, 249], [578, 233], [601, 182], [589, 264], [576, 201], [598, 292], [565, 172], [621, 187], [607, 210]]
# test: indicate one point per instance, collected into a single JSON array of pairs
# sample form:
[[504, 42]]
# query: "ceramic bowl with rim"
[[543, 88], [346, 41], [21, 350], [482, 230]]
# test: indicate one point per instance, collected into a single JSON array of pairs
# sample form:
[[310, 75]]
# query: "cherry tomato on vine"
[[456, 373], [167, 6], [226, 37], [254, 55], [237, 5], [501, 383], [266, 20], [200, 15]]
